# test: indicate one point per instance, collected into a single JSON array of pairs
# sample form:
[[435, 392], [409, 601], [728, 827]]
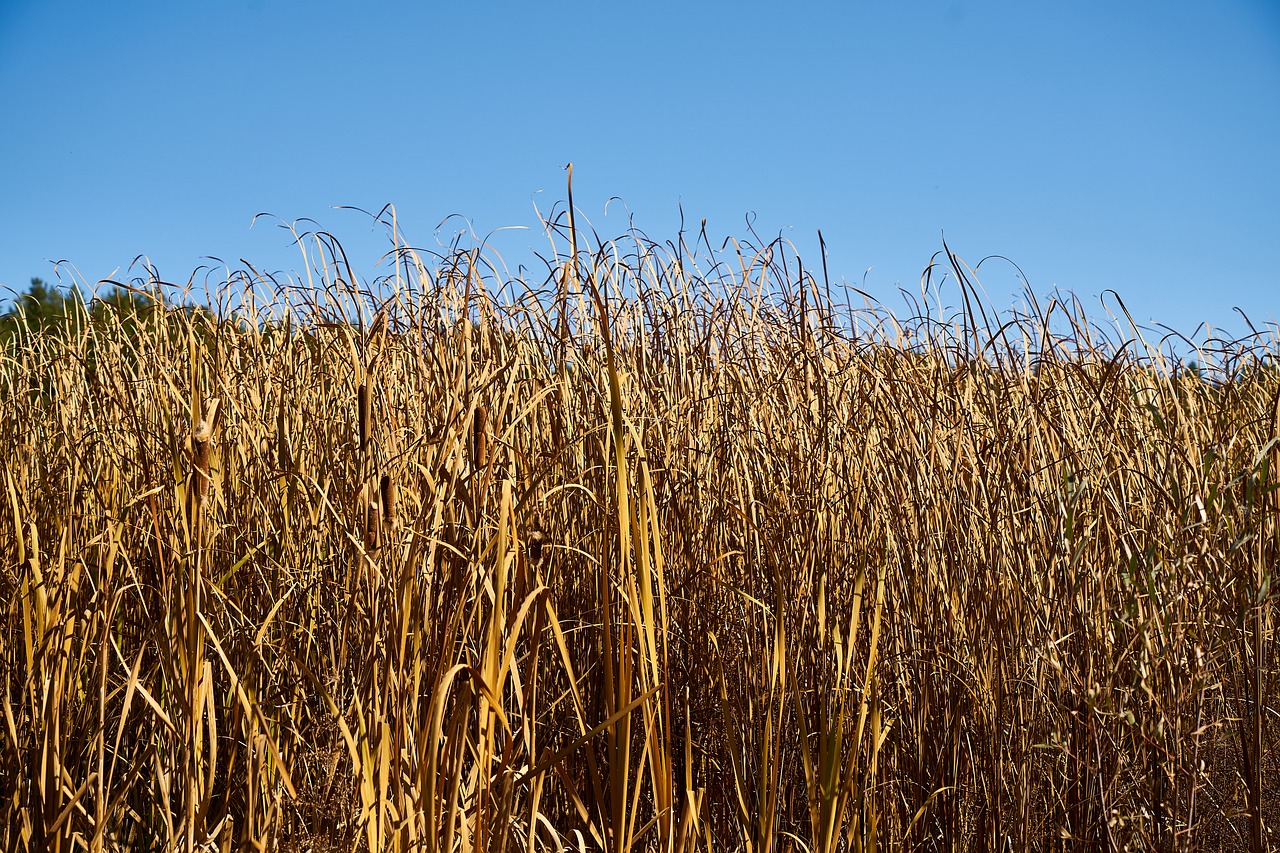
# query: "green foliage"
[[45, 309], [40, 308], [45, 319]]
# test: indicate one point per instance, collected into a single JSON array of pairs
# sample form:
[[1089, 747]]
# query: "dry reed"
[[824, 578]]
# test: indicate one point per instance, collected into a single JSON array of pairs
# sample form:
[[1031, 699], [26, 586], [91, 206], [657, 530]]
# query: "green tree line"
[[45, 308]]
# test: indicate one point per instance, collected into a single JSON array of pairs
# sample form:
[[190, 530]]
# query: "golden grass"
[[656, 554]]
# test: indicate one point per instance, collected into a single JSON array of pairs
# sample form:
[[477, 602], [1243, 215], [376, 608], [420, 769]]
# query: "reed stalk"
[[665, 549]]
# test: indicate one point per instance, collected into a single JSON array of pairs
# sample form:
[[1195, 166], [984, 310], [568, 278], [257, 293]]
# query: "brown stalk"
[[916, 586]]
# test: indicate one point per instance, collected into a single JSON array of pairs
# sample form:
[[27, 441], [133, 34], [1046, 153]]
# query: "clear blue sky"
[[1129, 145]]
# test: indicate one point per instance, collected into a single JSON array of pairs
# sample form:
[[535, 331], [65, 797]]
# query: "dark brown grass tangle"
[[663, 550]]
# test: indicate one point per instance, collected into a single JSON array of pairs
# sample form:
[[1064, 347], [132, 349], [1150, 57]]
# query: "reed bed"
[[666, 548]]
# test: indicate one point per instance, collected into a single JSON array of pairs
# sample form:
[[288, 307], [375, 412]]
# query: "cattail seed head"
[[364, 412], [388, 488], [372, 527], [200, 444], [537, 546], [480, 438]]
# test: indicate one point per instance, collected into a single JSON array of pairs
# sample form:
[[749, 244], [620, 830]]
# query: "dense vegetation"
[[670, 550], [44, 309]]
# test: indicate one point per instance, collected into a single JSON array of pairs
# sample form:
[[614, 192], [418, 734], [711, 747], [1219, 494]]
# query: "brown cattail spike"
[[388, 488], [373, 527], [364, 406], [537, 544], [200, 442], [480, 438]]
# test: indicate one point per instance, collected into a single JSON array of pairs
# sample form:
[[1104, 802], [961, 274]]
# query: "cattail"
[[479, 438], [373, 527], [200, 457], [537, 547], [364, 400], [388, 489], [201, 442]]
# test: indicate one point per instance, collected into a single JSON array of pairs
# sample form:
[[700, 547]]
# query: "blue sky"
[[1128, 146]]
